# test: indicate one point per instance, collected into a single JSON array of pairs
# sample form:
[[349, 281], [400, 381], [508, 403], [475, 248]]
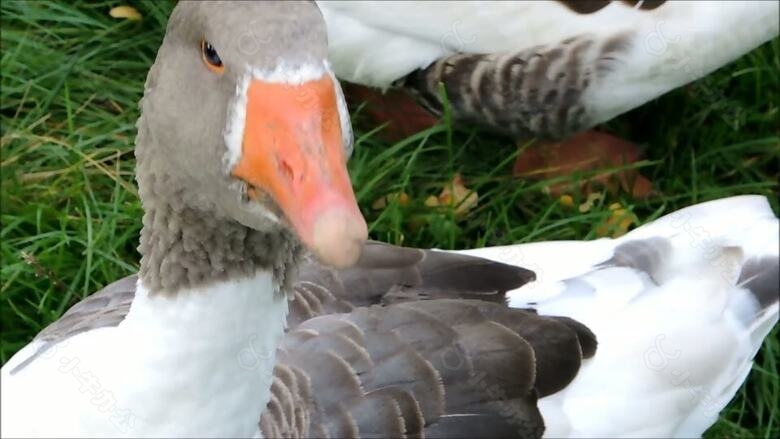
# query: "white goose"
[[196, 344], [545, 68], [680, 307]]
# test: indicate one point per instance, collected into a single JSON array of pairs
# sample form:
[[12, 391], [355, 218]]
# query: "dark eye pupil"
[[211, 55]]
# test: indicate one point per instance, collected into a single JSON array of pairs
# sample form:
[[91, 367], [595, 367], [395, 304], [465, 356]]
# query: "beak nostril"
[[286, 170]]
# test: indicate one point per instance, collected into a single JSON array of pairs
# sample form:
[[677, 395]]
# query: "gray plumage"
[[646, 255], [385, 274], [762, 277], [401, 369], [536, 91], [419, 364]]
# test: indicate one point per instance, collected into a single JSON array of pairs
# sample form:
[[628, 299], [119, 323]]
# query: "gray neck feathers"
[[184, 247], [187, 241]]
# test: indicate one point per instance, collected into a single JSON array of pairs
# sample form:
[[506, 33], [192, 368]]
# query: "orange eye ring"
[[210, 57]]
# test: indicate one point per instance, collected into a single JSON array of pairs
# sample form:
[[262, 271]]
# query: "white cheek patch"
[[346, 123], [236, 120], [284, 73]]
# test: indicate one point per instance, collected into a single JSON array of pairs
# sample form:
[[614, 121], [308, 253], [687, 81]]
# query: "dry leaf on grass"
[[455, 195], [586, 151], [127, 12], [618, 222], [401, 197], [588, 204]]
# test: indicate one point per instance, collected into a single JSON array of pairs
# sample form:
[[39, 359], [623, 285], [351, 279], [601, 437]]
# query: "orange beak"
[[293, 150]]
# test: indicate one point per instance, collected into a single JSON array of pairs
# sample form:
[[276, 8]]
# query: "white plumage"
[[673, 350], [206, 356], [375, 43]]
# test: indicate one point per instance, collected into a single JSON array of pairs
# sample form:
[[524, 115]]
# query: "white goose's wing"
[[680, 307], [600, 58]]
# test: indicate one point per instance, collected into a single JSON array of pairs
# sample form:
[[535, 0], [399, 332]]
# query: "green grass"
[[71, 80]]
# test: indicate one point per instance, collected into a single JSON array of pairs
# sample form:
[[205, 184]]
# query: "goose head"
[[243, 118]]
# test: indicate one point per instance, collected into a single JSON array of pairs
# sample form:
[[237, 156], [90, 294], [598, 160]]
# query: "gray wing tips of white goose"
[[761, 276], [422, 369], [388, 274]]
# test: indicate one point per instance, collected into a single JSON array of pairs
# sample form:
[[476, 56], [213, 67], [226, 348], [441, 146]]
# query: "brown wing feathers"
[[388, 274], [362, 360], [407, 370]]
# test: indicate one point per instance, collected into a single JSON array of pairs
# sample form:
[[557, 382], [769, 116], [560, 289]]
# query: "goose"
[[545, 69], [241, 156], [680, 306], [378, 340]]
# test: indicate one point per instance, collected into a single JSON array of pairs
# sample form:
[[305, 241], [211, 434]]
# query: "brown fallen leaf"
[[127, 12], [404, 115], [454, 195], [586, 151]]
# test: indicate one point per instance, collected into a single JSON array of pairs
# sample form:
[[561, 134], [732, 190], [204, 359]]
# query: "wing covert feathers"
[[419, 370], [387, 274]]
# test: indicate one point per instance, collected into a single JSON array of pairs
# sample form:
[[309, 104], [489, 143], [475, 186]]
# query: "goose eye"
[[210, 57]]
